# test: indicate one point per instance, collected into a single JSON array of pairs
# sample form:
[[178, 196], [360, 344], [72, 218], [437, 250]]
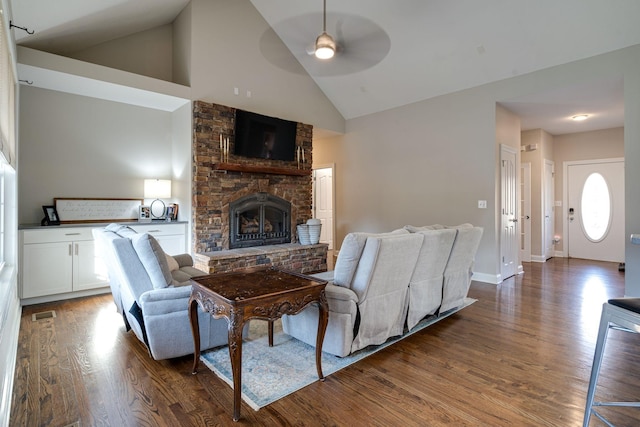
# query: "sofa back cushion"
[[387, 261], [153, 259], [434, 253], [349, 255]]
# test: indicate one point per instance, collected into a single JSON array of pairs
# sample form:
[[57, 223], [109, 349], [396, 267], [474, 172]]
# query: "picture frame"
[[50, 215], [172, 212], [144, 213]]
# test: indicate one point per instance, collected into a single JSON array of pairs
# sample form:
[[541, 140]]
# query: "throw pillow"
[[153, 259], [173, 264]]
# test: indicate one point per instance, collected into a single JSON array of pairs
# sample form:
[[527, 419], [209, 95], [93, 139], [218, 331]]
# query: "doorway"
[[594, 216], [323, 201], [509, 247]]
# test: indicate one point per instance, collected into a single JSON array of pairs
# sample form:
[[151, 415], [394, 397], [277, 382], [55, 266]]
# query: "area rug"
[[269, 374]]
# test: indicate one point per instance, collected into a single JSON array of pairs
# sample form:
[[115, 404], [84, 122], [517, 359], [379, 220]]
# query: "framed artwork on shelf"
[[144, 213], [50, 216]]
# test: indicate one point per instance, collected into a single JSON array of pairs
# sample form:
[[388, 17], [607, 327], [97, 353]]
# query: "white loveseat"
[[384, 284]]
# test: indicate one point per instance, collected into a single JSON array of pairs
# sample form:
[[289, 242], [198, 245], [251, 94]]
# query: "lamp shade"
[[157, 188]]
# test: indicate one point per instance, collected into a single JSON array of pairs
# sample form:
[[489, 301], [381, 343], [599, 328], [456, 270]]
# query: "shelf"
[[235, 167]]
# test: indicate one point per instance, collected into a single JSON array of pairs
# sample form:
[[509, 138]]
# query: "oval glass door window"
[[596, 207]]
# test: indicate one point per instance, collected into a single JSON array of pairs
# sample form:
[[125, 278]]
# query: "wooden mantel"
[[235, 167]]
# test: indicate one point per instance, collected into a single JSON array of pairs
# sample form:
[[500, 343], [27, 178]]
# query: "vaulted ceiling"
[[395, 53]]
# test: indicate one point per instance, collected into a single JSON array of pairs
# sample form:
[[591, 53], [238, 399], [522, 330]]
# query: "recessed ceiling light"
[[580, 117]]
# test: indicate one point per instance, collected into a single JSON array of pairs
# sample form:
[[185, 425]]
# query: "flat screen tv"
[[264, 137]]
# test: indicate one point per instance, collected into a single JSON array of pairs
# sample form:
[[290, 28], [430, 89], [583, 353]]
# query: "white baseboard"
[[494, 279], [67, 295]]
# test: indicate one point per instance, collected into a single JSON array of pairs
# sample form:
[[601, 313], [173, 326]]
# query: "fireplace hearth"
[[259, 219]]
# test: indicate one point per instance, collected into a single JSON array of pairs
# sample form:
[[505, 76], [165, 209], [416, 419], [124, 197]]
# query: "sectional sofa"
[[384, 284]]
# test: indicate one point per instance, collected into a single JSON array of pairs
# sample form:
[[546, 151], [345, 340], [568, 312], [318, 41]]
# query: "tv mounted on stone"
[[264, 137]]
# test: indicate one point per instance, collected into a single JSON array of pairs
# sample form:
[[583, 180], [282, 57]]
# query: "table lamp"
[[157, 189]]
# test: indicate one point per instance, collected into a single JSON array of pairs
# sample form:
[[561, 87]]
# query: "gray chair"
[[152, 297], [621, 314]]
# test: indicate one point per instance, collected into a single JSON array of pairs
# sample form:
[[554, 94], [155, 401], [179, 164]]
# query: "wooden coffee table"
[[262, 293]]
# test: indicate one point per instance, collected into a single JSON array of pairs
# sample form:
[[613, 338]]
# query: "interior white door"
[[525, 212], [548, 197], [509, 247], [595, 210], [323, 203]]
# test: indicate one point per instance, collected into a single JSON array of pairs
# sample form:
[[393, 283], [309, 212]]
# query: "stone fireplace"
[[266, 194]]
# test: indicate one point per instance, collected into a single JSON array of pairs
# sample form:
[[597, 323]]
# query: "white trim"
[[538, 258], [9, 334], [66, 295], [494, 279]]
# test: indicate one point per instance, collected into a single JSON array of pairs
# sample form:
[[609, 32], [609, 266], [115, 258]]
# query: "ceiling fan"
[[347, 44], [325, 46]]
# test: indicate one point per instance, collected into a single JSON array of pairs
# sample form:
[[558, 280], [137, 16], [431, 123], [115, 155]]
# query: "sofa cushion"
[[173, 264], [414, 229], [349, 255], [153, 259], [121, 230]]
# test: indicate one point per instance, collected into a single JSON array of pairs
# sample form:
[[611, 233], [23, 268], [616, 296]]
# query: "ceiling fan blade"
[[361, 43]]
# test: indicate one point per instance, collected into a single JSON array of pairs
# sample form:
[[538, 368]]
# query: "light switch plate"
[[482, 204]]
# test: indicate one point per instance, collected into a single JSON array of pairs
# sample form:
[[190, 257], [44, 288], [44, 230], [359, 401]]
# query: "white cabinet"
[[171, 236], [60, 260]]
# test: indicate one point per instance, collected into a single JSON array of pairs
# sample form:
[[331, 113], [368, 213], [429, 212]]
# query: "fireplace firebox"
[[259, 219]]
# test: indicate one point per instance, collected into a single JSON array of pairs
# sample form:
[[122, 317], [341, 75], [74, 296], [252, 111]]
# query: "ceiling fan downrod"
[[325, 45]]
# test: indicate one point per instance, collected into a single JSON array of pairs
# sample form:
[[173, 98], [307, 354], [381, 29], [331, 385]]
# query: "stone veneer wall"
[[290, 256], [214, 189]]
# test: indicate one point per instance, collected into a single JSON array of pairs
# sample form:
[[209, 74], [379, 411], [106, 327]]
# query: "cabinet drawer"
[[163, 229], [56, 235]]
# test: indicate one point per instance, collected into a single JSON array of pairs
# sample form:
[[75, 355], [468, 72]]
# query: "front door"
[[595, 210]]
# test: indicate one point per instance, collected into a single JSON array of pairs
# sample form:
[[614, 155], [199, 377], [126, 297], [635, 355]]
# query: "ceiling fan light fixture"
[[325, 46]]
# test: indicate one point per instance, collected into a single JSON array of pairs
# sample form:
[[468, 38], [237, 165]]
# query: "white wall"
[[431, 161], [225, 54], [75, 146], [147, 53]]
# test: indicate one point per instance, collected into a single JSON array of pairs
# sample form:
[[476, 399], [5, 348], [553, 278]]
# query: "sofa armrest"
[[165, 300], [340, 299], [184, 260], [325, 275]]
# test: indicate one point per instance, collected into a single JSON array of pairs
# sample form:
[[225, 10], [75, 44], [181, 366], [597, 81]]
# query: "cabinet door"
[[89, 271], [46, 269], [172, 245]]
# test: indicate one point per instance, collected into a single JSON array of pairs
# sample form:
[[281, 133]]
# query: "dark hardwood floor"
[[520, 356]]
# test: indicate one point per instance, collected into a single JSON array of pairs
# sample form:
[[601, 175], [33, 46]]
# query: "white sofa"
[[384, 284]]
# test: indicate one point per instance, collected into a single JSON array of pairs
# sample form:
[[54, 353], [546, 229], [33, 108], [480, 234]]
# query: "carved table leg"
[[323, 319], [235, 354], [271, 333], [195, 330]]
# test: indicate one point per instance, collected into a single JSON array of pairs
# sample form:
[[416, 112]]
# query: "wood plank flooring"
[[520, 356]]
